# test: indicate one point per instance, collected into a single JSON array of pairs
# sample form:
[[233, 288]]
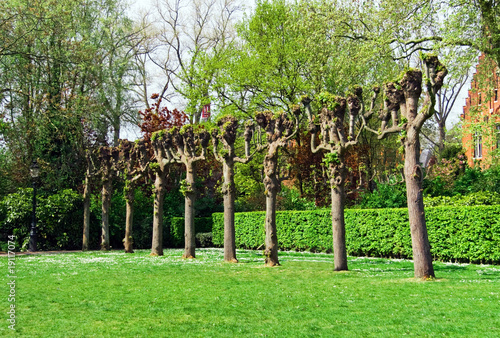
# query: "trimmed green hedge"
[[464, 234], [176, 239]]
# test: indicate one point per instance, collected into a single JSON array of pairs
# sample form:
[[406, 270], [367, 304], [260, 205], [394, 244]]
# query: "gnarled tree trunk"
[[106, 205], [338, 174], [229, 192], [189, 200], [86, 213], [157, 243], [422, 258], [129, 218], [272, 187]]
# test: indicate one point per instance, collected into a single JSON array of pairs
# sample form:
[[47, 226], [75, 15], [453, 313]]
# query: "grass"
[[117, 295]]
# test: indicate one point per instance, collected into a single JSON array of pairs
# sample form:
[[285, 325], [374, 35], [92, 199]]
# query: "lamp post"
[[34, 172]]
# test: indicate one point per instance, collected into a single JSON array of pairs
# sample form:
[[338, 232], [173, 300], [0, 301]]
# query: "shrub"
[[477, 198], [385, 196], [289, 199], [204, 240], [176, 238], [464, 234], [59, 219]]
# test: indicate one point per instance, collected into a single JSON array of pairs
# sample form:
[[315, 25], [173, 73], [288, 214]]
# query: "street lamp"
[[35, 173]]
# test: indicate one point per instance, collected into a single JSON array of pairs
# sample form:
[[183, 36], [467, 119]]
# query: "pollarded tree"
[[279, 131], [184, 148], [162, 143], [226, 133], [134, 163], [108, 158], [337, 136], [402, 116]]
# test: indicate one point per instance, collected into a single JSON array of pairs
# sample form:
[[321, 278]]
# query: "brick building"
[[481, 115]]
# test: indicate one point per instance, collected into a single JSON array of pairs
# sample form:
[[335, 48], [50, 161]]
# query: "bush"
[[464, 234], [289, 199], [59, 219], [477, 198], [176, 238], [475, 180], [385, 196], [204, 240]]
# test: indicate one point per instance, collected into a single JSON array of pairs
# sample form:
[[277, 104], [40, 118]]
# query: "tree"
[[402, 116], [337, 136], [184, 147], [226, 133], [279, 131], [53, 79], [108, 158], [156, 120], [161, 142], [192, 36], [134, 163]]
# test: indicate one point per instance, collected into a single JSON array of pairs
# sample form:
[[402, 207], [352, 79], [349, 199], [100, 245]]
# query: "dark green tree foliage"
[[50, 80], [59, 219]]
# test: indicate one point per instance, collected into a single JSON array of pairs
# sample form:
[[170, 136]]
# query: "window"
[[486, 119], [496, 95], [479, 98], [498, 135], [478, 146]]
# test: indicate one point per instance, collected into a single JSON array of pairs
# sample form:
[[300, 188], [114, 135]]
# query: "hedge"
[[176, 239], [461, 234]]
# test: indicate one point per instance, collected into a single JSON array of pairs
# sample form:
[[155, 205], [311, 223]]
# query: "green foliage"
[[289, 199], [328, 100], [201, 225], [465, 234], [143, 218], [331, 158], [386, 195], [475, 198], [59, 219], [475, 180], [158, 135], [204, 240], [451, 151]]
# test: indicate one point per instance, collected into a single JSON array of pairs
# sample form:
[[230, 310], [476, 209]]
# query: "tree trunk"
[[420, 242], [442, 136], [190, 197], [128, 240], [157, 245], [272, 186], [86, 214], [106, 205], [116, 133], [338, 174], [271, 251], [229, 193]]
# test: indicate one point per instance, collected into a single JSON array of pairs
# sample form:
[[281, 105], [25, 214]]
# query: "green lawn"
[[117, 295]]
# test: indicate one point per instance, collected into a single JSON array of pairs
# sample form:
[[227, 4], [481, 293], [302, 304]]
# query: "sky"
[[139, 6]]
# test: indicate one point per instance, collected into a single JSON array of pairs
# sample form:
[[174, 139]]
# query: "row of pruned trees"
[[335, 125]]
